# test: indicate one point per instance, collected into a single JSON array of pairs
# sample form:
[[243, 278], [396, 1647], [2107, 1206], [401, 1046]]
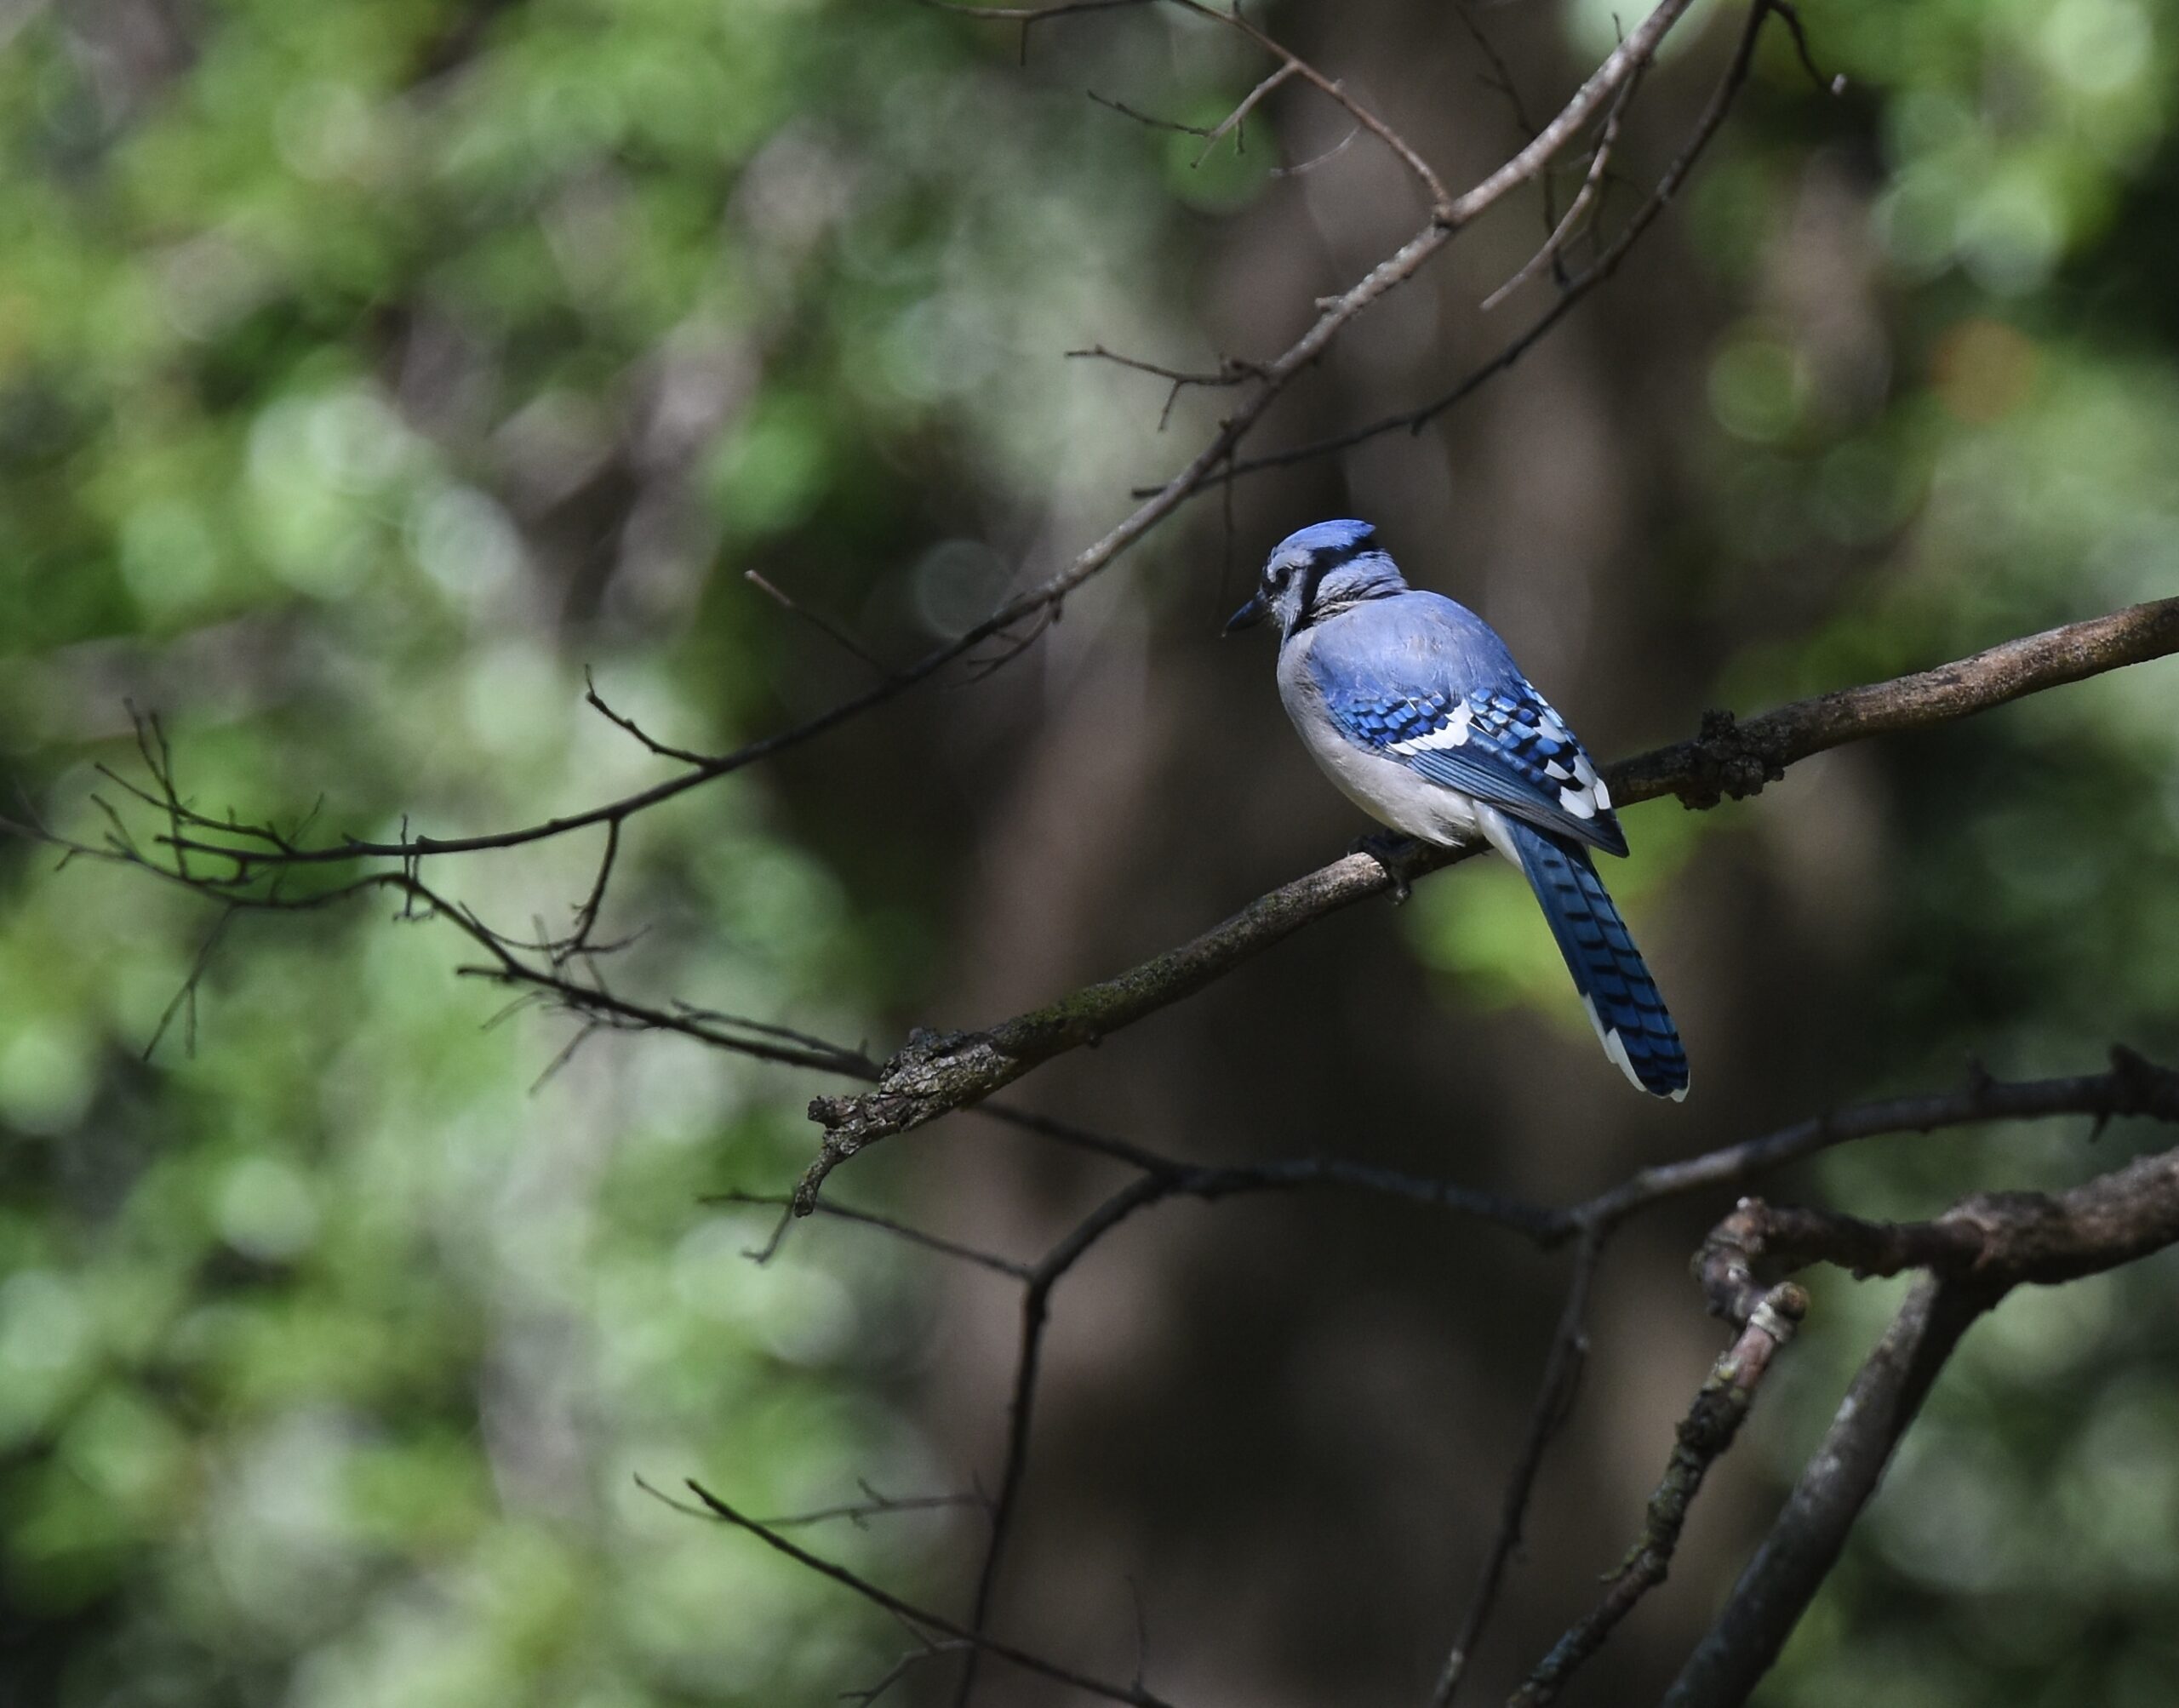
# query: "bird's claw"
[[1390, 852]]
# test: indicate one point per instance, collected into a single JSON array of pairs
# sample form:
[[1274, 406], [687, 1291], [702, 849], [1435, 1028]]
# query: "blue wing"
[[1426, 682]]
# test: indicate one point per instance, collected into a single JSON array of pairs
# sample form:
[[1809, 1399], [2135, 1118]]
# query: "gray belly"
[[1389, 792]]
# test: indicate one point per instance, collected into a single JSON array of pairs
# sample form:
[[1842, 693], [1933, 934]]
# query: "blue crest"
[[1334, 540]]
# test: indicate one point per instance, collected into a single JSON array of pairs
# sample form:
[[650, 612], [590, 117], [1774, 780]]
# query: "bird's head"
[[1317, 572]]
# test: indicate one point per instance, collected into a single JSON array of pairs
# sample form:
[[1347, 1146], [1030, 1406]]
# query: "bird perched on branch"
[[1414, 707]]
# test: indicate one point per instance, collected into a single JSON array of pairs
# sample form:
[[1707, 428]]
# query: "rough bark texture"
[[1805, 1543], [1974, 1253]]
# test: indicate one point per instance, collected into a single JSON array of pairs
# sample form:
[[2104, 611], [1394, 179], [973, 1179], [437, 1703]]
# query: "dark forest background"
[[368, 371]]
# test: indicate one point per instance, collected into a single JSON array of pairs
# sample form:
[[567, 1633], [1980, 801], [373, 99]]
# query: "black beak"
[[1247, 617]]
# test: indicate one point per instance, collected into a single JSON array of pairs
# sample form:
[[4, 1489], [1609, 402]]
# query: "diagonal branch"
[[1133, 1694], [1708, 1430], [1811, 1531], [1728, 758], [1572, 292], [1985, 1245], [2134, 1086], [1591, 186], [1562, 1370]]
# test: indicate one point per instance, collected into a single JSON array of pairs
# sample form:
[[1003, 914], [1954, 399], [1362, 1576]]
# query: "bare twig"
[[1133, 1694], [1150, 120], [1706, 1431], [185, 999], [1314, 161], [1572, 292], [1591, 183], [1233, 121], [899, 1230], [578, 940], [874, 1504], [1230, 371], [597, 703], [1790, 15], [816, 620], [1562, 1370]]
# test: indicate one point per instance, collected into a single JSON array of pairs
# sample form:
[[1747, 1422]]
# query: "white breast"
[[1388, 791]]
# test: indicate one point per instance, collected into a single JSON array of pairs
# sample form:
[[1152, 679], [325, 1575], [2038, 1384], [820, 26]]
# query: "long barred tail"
[[1615, 987]]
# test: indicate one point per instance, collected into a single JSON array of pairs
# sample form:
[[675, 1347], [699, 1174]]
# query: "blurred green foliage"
[[2018, 465], [334, 341], [331, 339]]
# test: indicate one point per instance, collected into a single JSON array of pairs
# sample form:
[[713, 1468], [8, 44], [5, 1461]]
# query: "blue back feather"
[[1395, 672]]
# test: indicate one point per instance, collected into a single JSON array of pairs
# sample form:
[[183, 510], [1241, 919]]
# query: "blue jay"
[[1413, 707]]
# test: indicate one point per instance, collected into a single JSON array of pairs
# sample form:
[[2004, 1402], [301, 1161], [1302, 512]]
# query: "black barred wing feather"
[[1504, 744]]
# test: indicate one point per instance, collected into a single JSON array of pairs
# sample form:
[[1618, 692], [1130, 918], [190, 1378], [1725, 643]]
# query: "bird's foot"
[[1392, 851]]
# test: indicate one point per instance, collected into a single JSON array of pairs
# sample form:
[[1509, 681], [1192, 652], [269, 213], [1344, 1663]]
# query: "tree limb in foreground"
[[1986, 1243], [1973, 1254]]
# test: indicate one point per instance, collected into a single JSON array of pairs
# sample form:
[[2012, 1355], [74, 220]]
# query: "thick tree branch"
[[1805, 1543], [1974, 1253], [1728, 758], [1998, 1240]]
